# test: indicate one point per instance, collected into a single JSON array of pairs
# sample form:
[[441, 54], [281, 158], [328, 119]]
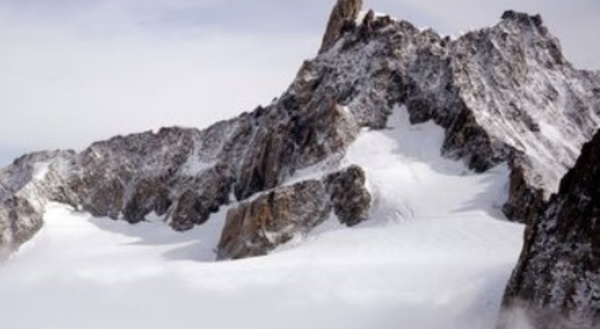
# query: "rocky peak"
[[502, 94], [343, 16], [523, 18], [532, 32], [557, 280]]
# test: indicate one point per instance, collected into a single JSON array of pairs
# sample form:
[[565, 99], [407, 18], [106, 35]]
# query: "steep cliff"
[[502, 94], [557, 281]]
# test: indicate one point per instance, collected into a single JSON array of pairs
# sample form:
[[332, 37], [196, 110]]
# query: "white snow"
[[436, 254], [361, 16], [40, 170]]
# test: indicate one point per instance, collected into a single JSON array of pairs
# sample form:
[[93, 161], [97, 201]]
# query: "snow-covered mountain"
[[388, 124], [435, 253]]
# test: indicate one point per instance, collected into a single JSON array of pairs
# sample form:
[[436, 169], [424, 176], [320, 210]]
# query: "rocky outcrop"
[[557, 281], [256, 227], [24, 188], [21, 222], [502, 94], [343, 17], [350, 199]]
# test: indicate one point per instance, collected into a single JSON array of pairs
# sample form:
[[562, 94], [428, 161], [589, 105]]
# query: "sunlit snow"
[[436, 253]]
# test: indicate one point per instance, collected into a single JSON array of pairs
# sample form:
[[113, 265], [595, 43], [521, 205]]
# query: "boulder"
[[256, 227], [350, 199]]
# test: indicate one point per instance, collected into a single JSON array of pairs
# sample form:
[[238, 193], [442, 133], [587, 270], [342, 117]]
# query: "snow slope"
[[435, 254]]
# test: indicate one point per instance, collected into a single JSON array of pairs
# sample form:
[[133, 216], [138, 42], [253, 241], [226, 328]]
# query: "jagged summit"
[[343, 16], [502, 94], [523, 18], [510, 79]]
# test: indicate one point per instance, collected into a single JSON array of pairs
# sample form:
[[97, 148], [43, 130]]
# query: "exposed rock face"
[[503, 94], [183, 174], [342, 18], [23, 190], [351, 200], [557, 280], [256, 227]]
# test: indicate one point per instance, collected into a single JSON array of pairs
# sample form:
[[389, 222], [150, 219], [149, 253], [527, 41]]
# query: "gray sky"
[[72, 71]]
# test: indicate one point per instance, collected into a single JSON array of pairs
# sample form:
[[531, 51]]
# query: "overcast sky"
[[75, 71]]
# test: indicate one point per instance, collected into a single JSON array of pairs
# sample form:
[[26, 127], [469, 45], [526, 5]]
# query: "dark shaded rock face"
[[557, 281], [502, 94], [351, 200]]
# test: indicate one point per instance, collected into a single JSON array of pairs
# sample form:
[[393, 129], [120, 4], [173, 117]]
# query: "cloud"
[[65, 84]]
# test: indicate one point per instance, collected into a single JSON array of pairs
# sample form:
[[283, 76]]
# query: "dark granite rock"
[[256, 227], [351, 200], [557, 281]]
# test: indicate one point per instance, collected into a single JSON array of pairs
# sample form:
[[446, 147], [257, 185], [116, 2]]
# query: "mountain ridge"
[[502, 94], [506, 98]]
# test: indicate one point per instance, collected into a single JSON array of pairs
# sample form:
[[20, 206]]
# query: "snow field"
[[435, 254]]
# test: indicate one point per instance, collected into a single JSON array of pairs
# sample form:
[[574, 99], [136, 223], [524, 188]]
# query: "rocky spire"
[[343, 14]]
